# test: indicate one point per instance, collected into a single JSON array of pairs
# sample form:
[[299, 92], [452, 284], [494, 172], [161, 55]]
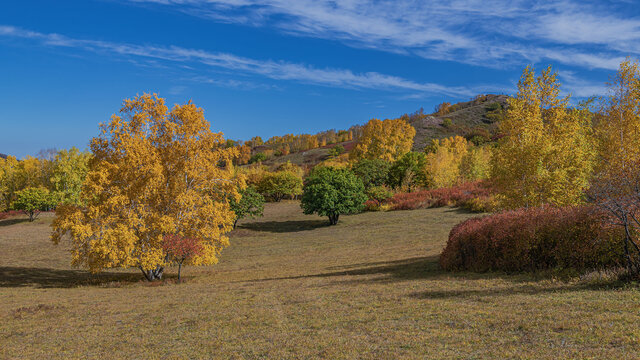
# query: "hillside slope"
[[477, 117], [466, 118]]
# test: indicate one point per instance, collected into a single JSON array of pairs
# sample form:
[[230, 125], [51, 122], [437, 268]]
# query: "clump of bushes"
[[377, 195], [10, 213], [534, 239], [258, 158], [336, 150], [475, 196]]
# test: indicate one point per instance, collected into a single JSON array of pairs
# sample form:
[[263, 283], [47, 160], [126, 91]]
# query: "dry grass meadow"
[[290, 287]]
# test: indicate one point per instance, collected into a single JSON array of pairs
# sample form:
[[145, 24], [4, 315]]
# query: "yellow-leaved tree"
[[155, 175], [546, 155], [616, 184], [618, 124], [384, 139], [9, 181], [444, 160]]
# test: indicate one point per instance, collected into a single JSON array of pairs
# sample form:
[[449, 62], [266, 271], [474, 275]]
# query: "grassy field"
[[291, 287]]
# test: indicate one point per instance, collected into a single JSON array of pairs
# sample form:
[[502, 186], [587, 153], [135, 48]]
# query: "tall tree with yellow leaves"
[[546, 155], [618, 124], [154, 173], [444, 161], [616, 184], [9, 181], [384, 139]]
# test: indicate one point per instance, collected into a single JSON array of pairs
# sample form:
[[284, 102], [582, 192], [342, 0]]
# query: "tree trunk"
[[333, 219], [152, 275], [179, 270], [627, 235], [632, 266], [235, 222]]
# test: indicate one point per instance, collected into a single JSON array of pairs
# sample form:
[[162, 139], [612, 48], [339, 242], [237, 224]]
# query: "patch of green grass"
[[291, 287]]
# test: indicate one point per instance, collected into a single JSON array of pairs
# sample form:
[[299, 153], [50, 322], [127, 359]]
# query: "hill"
[[476, 118], [471, 118]]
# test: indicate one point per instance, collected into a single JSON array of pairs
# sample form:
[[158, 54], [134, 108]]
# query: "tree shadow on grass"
[[57, 278], [285, 226], [415, 268], [427, 268], [405, 269], [9, 222], [525, 289], [463, 211]]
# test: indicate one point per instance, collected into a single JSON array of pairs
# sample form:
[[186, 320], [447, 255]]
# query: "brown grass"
[[291, 287]]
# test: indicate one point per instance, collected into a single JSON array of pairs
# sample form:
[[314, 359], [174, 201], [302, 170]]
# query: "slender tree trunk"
[[179, 271], [627, 239], [235, 222], [154, 274]]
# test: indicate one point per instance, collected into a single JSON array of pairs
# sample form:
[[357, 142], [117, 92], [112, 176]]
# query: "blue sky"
[[287, 66]]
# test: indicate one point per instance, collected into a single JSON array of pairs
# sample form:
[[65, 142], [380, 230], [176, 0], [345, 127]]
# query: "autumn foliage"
[[180, 249], [546, 154], [384, 139], [462, 195], [154, 172], [533, 239]]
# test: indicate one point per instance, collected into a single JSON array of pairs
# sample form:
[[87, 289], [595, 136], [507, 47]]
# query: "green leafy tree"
[[32, 200], [372, 172], [280, 184], [333, 192], [251, 204], [70, 169], [409, 171], [257, 158]]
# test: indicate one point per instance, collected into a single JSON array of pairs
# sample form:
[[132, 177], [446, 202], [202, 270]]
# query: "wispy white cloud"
[[493, 33], [278, 70], [579, 87]]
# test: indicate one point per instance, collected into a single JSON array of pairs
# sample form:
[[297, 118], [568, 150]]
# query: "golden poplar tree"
[[443, 167], [618, 124], [616, 184], [154, 173], [387, 140], [9, 181], [546, 154]]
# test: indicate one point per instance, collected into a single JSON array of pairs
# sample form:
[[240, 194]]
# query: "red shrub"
[[454, 196], [371, 205], [532, 239], [10, 213], [409, 201], [181, 248]]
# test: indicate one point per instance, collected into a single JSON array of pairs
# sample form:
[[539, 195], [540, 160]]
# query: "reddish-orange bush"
[[6, 214], [371, 205], [10, 213], [533, 239], [181, 248], [459, 195]]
